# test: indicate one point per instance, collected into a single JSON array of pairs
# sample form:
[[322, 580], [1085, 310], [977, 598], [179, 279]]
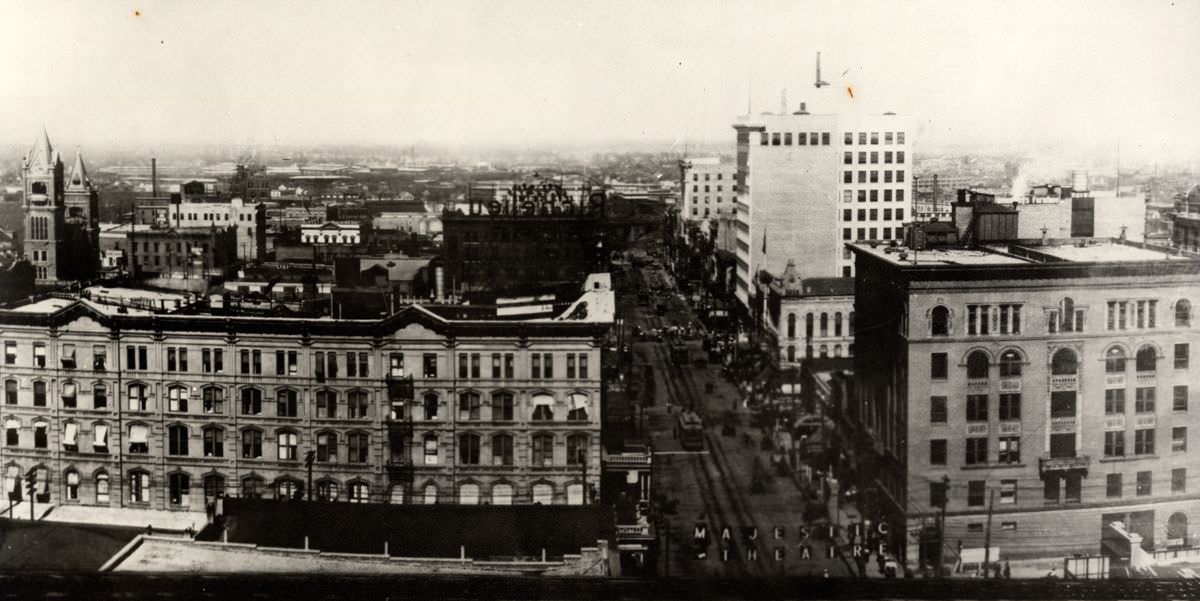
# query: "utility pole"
[[31, 488], [987, 534], [941, 564], [308, 463]]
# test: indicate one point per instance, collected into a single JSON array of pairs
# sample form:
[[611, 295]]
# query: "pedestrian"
[[1007, 570], [149, 529], [825, 573]]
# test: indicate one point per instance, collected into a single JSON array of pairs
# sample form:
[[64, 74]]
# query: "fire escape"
[[400, 430]]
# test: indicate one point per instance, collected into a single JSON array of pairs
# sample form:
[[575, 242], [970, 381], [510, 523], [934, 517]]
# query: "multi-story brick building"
[[137, 399], [708, 185], [1051, 381]]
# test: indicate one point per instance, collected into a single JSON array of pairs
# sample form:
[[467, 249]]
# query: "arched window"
[[1114, 360], [137, 397], [543, 493], [71, 477], [1064, 362], [502, 449], [575, 494], [1010, 364], [824, 325], [543, 408], [977, 365], [214, 486], [468, 494], [1183, 313], [791, 325], [430, 494], [808, 325], [837, 324], [288, 442], [251, 444], [543, 450], [285, 402], [179, 488], [214, 399], [357, 447], [940, 321], [396, 495], [356, 404], [102, 488], [360, 492], [468, 449], [327, 490], [327, 444], [468, 406], [177, 439], [326, 403], [577, 449], [502, 494], [139, 438], [1177, 528], [287, 488], [502, 406], [1146, 358], [824, 351], [251, 401], [177, 399], [430, 402], [139, 486]]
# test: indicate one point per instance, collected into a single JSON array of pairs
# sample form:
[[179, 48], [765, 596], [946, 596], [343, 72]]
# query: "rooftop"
[[1029, 252]]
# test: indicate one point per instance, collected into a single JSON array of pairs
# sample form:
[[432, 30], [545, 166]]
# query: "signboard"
[[545, 198]]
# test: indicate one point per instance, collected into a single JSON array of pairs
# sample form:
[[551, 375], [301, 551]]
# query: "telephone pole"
[[941, 563]]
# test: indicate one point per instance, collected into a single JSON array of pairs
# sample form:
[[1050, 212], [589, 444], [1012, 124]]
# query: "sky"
[[1085, 76]]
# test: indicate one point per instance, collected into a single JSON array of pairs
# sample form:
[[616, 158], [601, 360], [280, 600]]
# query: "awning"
[[12, 424], [100, 436], [543, 399], [69, 390], [73, 478], [579, 401], [138, 434], [70, 433]]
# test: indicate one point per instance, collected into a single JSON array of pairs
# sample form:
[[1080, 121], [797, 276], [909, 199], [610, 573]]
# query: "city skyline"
[[1078, 78]]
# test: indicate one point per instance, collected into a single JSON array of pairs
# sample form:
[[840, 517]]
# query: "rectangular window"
[[1010, 449], [1144, 484], [509, 362], [825, 138], [430, 365], [570, 366], [977, 407], [583, 366], [1179, 401], [938, 366], [1179, 479], [99, 358], [1179, 439], [937, 452], [396, 365], [535, 366], [937, 409], [245, 363], [1181, 355], [1008, 492], [1143, 441], [280, 363], [976, 491], [1112, 486], [847, 158], [848, 139], [10, 352], [1052, 489], [547, 365], [463, 366], [1010, 406], [976, 450], [68, 356], [319, 366], [1062, 403], [1145, 400], [847, 177], [39, 354], [1114, 444], [1114, 401], [496, 366]]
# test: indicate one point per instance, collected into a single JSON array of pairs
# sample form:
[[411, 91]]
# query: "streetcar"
[[690, 431]]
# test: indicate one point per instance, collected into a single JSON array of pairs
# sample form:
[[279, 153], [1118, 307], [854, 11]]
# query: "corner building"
[[1052, 380], [115, 404]]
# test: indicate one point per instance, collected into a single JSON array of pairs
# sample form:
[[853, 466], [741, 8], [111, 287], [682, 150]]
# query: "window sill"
[[990, 466], [1124, 458]]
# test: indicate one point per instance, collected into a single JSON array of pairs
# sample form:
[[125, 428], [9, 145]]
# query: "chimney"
[[803, 109], [153, 177]]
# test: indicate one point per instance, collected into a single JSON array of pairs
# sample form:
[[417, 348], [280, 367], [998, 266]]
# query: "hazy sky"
[[1011, 74]]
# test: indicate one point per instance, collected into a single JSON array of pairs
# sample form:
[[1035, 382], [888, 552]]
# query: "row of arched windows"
[[1067, 317], [1064, 361]]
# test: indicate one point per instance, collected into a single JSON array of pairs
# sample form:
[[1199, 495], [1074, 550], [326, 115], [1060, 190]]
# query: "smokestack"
[[154, 177], [803, 109]]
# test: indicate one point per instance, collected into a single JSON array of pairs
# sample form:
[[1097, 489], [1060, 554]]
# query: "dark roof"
[[938, 227], [828, 286], [485, 531]]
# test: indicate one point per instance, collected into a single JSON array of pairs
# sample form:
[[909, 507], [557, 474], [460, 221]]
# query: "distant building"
[[815, 318], [168, 252], [1185, 221], [708, 186], [247, 219], [61, 217], [345, 234]]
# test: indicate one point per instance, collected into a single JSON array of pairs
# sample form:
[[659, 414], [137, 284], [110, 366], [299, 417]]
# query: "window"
[[1112, 486], [67, 359], [358, 447], [1008, 492], [547, 365], [1114, 401], [177, 440], [72, 480], [1183, 314], [1143, 441], [509, 361], [1145, 400], [12, 432], [360, 492], [977, 407], [39, 394], [177, 358], [976, 491], [468, 449], [285, 402], [1146, 358], [431, 449], [502, 449], [39, 354], [68, 395], [1064, 362], [287, 442], [1179, 439], [70, 438], [429, 494], [1181, 355], [251, 401], [1114, 444], [937, 409], [1114, 360], [214, 441], [977, 365], [251, 444], [1179, 480], [178, 487], [976, 450], [1144, 484], [543, 407], [937, 452], [543, 450], [396, 365], [577, 449], [214, 485], [1062, 403], [1010, 364], [937, 494], [102, 488], [502, 406], [327, 490], [938, 366], [357, 365], [139, 436], [212, 360], [100, 438], [468, 406], [848, 139], [139, 487], [1010, 406], [326, 447], [429, 361], [431, 406], [10, 392], [177, 399], [41, 439], [137, 397], [578, 404], [10, 352], [1179, 402], [1010, 449]]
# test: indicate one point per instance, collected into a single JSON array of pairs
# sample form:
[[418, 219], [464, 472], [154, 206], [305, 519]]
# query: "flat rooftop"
[[1109, 252], [902, 256], [1027, 252]]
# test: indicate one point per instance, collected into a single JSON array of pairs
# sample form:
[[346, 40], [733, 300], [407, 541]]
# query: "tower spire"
[[79, 177]]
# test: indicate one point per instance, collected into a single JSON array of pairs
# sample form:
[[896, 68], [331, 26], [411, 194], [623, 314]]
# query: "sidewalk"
[[167, 521]]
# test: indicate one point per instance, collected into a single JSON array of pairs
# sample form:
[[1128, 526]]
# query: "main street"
[[753, 519]]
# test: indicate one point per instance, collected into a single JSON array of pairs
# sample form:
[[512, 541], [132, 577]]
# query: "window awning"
[[70, 433], [100, 435], [69, 390], [542, 399], [579, 401], [138, 434], [73, 478], [12, 424]]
